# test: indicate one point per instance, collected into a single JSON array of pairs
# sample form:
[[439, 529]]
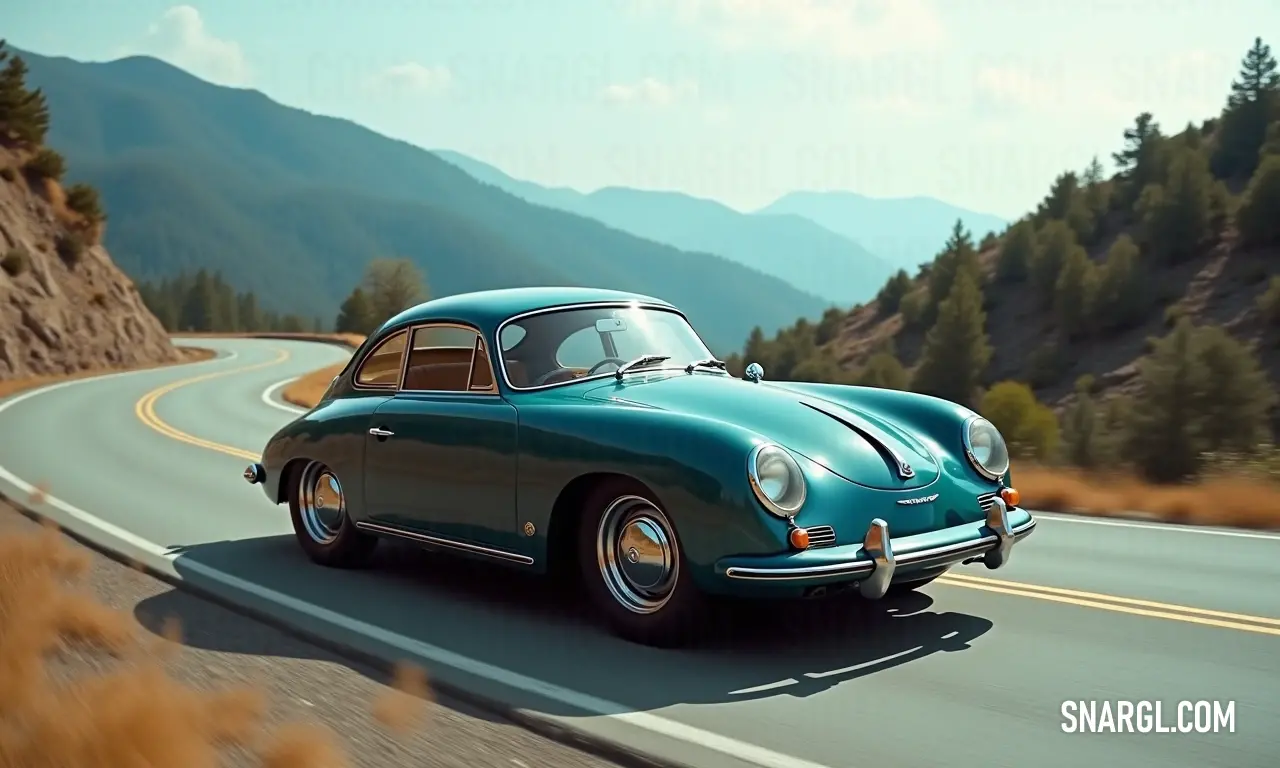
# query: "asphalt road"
[[972, 672]]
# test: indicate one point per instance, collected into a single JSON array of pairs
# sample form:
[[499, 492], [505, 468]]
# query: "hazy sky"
[[979, 102]]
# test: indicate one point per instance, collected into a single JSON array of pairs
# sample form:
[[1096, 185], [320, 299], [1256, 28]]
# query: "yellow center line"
[[1186, 618], [963, 579], [146, 412], [145, 409]]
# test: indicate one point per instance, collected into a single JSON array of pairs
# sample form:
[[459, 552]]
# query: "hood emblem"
[[920, 500], [905, 471]]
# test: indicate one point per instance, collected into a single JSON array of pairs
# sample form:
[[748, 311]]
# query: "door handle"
[[379, 432]]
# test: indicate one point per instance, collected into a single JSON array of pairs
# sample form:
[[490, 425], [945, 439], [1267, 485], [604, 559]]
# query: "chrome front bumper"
[[879, 564]]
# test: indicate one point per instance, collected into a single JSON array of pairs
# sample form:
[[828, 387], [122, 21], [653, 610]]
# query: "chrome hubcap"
[[323, 507], [637, 554]]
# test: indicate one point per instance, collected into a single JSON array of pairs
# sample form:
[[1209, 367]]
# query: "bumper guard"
[[879, 566]]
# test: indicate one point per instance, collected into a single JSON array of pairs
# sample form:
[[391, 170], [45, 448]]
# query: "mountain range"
[[793, 248], [293, 205]]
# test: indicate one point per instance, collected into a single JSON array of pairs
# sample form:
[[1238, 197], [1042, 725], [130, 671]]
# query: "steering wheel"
[[616, 361]]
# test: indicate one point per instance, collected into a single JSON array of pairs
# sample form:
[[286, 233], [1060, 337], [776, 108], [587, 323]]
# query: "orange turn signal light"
[[799, 538], [1010, 496]]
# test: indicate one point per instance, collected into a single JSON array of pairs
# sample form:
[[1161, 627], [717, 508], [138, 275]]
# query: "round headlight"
[[776, 480], [986, 448]]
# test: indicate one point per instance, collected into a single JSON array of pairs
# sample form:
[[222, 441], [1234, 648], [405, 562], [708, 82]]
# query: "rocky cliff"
[[64, 305]]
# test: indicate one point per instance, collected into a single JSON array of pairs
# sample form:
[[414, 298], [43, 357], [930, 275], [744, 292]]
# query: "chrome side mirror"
[[754, 372]]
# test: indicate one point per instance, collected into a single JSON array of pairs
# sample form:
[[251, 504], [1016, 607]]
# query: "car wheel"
[[318, 506], [633, 568], [910, 586]]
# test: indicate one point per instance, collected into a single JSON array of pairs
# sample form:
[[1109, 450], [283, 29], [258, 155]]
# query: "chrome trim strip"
[[616, 303], [476, 549], [859, 425], [856, 567]]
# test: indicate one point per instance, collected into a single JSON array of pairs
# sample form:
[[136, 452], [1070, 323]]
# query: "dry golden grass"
[[1239, 501], [308, 389], [128, 712], [14, 386]]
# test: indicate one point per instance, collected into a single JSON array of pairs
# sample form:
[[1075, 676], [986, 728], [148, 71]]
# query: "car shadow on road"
[[533, 627]]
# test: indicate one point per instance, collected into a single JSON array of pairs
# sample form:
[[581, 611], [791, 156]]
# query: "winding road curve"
[[972, 672]]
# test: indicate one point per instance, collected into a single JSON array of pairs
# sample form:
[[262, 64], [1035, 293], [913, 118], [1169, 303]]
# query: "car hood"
[[859, 445]]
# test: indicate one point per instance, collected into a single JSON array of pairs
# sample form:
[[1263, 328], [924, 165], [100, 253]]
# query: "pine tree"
[[200, 308], [1141, 161], [1055, 243], [1258, 218], [1164, 429], [1066, 202], [889, 299], [958, 255], [1081, 428], [956, 350], [1017, 251], [1251, 107], [248, 312], [1074, 292], [1180, 218], [1121, 298], [1233, 408], [356, 314]]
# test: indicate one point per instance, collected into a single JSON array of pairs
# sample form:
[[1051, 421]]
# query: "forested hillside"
[[292, 206], [1143, 307]]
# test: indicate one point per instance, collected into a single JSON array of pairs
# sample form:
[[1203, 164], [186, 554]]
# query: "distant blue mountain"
[[805, 254], [906, 231]]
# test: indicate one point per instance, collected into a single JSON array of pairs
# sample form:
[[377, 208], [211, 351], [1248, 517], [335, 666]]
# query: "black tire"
[[336, 543], [671, 613], [910, 586]]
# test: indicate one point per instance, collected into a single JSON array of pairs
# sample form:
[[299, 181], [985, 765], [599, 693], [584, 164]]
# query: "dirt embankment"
[[64, 305]]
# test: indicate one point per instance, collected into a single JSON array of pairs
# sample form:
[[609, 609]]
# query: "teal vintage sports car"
[[541, 427]]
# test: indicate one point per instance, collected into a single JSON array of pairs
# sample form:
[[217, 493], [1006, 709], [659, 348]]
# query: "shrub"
[[84, 200], [46, 164], [1029, 427], [15, 262], [70, 248]]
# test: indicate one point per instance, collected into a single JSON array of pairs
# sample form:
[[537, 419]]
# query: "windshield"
[[558, 347]]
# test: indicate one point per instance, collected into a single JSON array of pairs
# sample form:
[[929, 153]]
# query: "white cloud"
[[179, 37], [651, 92], [412, 77], [845, 28]]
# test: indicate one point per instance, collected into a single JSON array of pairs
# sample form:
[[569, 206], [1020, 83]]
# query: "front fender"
[[695, 466], [333, 433]]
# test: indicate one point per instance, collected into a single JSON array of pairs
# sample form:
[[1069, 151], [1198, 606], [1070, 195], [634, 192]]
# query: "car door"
[[441, 454]]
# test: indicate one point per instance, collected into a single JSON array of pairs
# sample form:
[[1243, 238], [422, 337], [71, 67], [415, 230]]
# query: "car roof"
[[487, 309]]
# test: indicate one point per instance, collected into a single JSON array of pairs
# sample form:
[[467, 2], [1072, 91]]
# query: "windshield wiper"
[[710, 362], [643, 360]]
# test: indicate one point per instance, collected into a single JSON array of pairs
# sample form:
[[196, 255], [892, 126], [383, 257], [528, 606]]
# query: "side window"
[[581, 349], [382, 367], [440, 359]]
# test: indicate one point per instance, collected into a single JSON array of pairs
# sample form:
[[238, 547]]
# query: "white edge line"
[[679, 731], [268, 397], [1058, 518]]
